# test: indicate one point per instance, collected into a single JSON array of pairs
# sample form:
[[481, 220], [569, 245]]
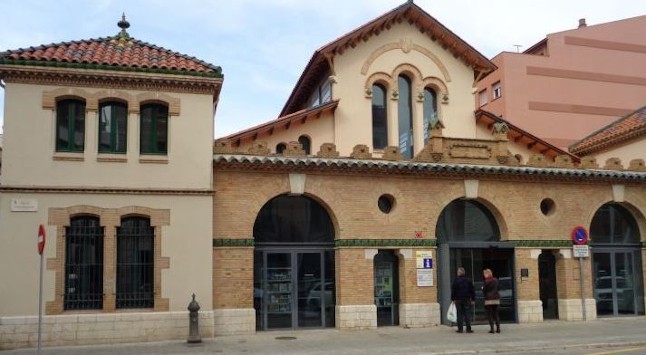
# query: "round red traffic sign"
[[41, 239], [580, 235]]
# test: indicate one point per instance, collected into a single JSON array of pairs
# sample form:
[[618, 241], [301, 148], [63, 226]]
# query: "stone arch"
[[411, 71], [109, 95], [435, 83], [405, 45], [378, 78], [50, 97], [173, 103]]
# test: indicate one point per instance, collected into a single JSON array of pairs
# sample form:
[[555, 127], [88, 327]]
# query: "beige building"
[[571, 83], [107, 143], [352, 210]]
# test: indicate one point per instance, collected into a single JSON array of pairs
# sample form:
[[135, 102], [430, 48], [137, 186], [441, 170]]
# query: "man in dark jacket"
[[463, 295]]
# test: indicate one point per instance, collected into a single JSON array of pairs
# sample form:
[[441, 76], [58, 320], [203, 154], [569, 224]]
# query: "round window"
[[547, 206], [386, 203]]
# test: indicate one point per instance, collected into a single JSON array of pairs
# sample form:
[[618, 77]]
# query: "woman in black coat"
[[491, 299]]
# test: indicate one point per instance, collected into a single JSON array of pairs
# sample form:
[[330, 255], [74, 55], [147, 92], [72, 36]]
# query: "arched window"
[[305, 142], [430, 111], [379, 117], [293, 219], [405, 117], [613, 224], [83, 264], [466, 221], [280, 148], [70, 126], [135, 263], [113, 127], [153, 129]]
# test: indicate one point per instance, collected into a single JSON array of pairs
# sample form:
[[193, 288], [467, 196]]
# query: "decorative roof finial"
[[123, 24]]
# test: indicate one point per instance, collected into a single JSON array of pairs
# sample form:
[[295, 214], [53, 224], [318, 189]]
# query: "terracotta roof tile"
[[627, 127], [116, 51]]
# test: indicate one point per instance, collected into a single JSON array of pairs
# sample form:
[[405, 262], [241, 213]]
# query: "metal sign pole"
[[582, 287], [40, 302]]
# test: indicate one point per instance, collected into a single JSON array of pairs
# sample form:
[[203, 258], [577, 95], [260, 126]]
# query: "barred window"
[[135, 263], [83, 264]]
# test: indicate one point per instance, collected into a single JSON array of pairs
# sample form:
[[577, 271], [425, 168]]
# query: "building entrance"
[[500, 261], [547, 284], [293, 265], [294, 289], [386, 288]]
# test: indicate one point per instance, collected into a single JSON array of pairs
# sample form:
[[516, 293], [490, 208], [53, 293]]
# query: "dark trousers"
[[464, 313], [492, 315]]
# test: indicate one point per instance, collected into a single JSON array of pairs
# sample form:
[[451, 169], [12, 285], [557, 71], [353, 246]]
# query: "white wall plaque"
[[24, 205]]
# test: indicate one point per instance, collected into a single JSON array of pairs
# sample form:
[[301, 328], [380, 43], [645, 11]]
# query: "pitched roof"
[[623, 129], [319, 64], [120, 52], [521, 136], [284, 121]]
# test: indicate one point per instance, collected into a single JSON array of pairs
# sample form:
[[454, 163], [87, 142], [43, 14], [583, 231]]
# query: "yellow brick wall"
[[232, 277]]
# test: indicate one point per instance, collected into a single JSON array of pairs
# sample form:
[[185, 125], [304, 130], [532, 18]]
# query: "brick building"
[[351, 210]]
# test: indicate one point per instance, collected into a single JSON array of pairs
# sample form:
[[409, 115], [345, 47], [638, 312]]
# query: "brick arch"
[[490, 206], [408, 45], [109, 95], [173, 103], [50, 97], [632, 206]]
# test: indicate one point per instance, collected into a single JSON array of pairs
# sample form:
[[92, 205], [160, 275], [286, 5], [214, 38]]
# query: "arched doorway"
[[547, 284], [386, 288], [616, 262], [468, 236], [293, 265]]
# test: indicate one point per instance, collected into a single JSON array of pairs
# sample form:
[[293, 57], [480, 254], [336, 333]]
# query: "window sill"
[[111, 158], [68, 156], [153, 159]]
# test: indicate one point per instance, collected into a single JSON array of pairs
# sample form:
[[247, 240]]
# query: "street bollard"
[[194, 327]]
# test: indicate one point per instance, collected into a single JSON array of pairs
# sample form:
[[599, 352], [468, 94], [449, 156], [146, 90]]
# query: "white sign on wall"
[[424, 260], [24, 205]]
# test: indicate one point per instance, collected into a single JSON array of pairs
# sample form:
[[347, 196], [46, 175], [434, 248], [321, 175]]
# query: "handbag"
[[452, 313]]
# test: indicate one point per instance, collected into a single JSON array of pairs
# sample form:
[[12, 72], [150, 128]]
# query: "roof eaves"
[[583, 147], [431, 167]]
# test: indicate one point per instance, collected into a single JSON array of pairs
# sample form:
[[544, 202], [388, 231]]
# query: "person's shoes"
[[497, 330], [459, 331], [491, 331], [469, 331]]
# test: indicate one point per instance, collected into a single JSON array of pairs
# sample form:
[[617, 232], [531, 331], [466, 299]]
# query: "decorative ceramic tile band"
[[233, 243], [385, 243]]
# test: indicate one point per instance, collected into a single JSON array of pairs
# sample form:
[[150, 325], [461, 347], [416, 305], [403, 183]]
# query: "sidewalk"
[[558, 337]]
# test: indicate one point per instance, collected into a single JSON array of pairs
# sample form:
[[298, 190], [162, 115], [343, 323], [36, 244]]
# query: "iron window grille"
[[135, 263], [83, 264]]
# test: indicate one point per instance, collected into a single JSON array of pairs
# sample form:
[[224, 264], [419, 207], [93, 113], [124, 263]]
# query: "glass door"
[[386, 288], [278, 290], [618, 286], [294, 289], [500, 261]]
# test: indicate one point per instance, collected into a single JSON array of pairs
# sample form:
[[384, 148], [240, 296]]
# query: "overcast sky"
[[263, 45]]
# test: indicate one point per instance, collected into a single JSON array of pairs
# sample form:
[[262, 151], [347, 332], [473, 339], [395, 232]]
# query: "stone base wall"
[[234, 321], [570, 309], [419, 315], [356, 317], [530, 311], [83, 329]]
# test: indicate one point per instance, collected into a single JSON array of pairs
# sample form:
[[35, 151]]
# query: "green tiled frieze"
[[385, 243], [233, 243], [543, 243]]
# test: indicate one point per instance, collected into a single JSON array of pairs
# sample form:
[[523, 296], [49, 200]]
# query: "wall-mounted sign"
[[24, 205], [424, 260]]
